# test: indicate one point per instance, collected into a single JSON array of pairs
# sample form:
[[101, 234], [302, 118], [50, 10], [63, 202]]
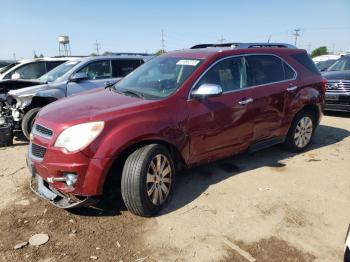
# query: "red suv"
[[181, 109]]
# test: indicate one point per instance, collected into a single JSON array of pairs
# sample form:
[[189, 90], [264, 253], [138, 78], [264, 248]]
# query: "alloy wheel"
[[303, 132], [159, 177]]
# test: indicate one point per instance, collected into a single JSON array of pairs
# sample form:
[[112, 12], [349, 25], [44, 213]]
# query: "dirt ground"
[[268, 206]]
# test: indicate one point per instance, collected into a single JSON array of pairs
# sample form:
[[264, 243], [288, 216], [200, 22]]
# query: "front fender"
[[115, 140], [56, 93]]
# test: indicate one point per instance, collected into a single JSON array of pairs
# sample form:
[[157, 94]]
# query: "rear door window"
[[98, 70], [265, 69], [122, 67]]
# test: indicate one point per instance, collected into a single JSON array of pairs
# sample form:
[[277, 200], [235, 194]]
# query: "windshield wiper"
[[128, 92], [110, 85], [132, 93]]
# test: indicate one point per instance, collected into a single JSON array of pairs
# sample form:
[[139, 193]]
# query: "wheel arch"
[[114, 172], [40, 101], [314, 109]]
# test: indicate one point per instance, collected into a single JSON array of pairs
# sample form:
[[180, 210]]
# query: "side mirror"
[[15, 76], [207, 90], [78, 77]]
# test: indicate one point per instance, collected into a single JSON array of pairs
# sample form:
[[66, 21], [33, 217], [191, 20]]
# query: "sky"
[[136, 25]]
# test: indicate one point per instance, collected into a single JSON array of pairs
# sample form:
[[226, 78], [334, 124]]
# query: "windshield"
[[340, 65], [3, 69], [324, 65], [158, 78], [58, 71]]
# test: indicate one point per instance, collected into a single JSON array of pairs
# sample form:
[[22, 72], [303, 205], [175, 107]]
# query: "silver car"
[[72, 77]]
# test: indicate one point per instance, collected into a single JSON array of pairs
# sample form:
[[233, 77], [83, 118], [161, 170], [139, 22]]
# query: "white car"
[[32, 69]]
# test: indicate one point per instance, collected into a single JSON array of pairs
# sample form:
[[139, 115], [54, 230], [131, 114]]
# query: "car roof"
[[122, 56], [207, 52]]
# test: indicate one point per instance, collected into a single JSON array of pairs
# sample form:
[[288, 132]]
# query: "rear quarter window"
[[305, 60]]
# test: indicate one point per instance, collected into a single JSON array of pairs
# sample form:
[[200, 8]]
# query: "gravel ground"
[[268, 206]]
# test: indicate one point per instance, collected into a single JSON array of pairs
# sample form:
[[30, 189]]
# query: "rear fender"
[[307, 96]]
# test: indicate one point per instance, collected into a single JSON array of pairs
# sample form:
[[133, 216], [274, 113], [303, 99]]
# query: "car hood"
[[96, 105], [335, 75], [9, 84], [28, 91]]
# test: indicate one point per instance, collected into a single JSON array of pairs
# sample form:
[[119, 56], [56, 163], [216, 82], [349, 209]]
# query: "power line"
[[97, 47], [296, 34]]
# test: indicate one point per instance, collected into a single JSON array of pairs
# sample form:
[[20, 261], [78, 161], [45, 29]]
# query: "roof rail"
[[245, 45]]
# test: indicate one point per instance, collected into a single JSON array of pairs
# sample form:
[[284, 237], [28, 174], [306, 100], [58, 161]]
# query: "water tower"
[[63, 45]]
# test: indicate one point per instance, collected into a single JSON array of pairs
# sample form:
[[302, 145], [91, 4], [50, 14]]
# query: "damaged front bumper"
[[59, 199]]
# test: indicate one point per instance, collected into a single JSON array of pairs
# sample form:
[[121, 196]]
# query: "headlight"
[[79, 136]]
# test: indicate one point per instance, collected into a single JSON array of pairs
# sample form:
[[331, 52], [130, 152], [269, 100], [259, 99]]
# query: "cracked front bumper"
[[59, 199]]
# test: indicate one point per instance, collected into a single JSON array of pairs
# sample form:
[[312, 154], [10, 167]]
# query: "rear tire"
[[148, 179], [301, 132], [28, 121]]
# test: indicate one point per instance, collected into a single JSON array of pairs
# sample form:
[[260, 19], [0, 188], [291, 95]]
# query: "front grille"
[[38, 151], [42, 131], [338, 87]]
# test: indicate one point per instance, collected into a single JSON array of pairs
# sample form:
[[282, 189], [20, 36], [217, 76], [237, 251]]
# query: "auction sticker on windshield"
[[188, 62]]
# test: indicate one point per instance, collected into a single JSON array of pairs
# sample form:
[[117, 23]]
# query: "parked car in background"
[[5, 63], [338, 85], [180, 109], [32, 69], [72, 77], [324, 61], [7, 67]]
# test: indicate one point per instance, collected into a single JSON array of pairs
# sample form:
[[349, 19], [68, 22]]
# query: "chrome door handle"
[[245, 101], [292, 88]]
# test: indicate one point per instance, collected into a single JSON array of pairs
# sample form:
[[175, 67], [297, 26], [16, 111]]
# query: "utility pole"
[[14, 57], [97, 46], [296, 34], [269, 39], [163, 42], [221, 39]]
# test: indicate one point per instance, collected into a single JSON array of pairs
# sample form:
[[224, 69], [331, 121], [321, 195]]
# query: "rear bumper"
[[337, 107], [341, 104]]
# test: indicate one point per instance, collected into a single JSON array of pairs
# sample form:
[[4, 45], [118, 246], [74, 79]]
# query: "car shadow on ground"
[[337, 114], [192, 183]]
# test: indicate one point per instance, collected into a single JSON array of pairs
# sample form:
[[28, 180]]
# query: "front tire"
[[301, 131], [148, 179], [28, 121]]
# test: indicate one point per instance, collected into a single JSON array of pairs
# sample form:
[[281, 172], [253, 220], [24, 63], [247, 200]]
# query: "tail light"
[[324, 85]]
